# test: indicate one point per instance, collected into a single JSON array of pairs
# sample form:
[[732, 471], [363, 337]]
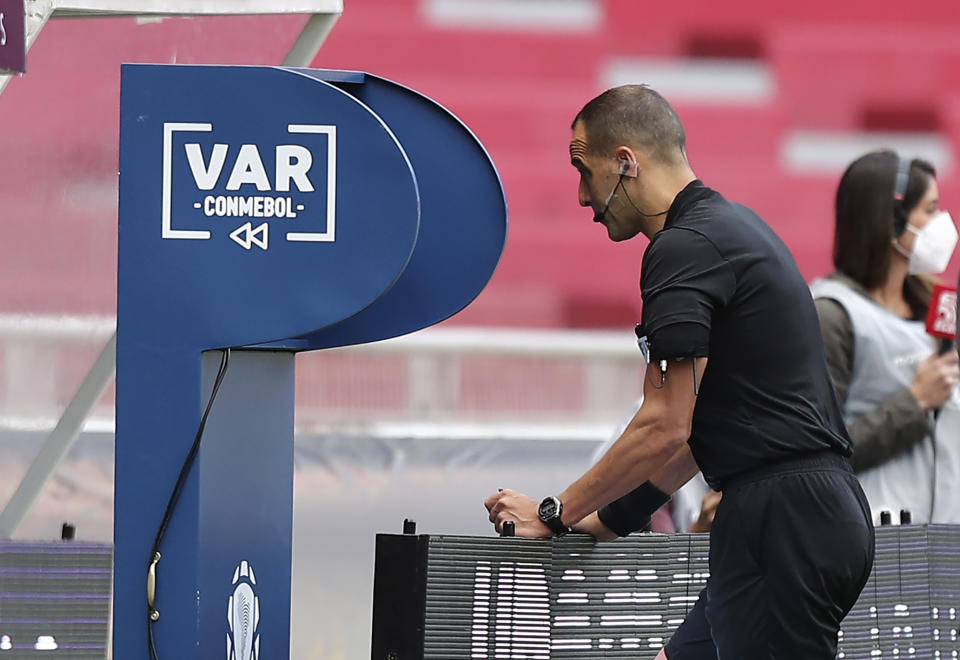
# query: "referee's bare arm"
[[652, 447], [656, 433], [680, 469]]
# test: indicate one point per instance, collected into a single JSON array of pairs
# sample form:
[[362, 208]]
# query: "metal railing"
[[441, 376]]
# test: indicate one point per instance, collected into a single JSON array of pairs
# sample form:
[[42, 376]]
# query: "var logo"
[[290, 185]]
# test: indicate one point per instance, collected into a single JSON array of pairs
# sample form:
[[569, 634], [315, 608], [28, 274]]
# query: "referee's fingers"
[[496, 497], [497, 511]]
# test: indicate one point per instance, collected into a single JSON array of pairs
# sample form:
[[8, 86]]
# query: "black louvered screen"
[[54, 600], [482, 598]]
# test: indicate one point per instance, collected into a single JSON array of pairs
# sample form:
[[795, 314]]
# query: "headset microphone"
[[606, 205], [624, 171], [625, 167]]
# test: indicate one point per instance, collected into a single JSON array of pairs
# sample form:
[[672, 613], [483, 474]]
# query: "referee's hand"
[[507, 505]]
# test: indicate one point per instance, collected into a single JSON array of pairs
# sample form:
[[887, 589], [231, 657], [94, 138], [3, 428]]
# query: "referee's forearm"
[[677, 471], [636, 456]]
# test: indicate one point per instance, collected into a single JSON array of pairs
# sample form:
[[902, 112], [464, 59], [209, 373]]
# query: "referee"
[[736, 386]]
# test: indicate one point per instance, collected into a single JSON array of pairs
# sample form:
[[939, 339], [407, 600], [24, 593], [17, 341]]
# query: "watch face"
[[548, 508]]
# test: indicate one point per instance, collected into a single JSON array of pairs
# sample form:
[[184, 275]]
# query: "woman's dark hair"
[[864, 222]]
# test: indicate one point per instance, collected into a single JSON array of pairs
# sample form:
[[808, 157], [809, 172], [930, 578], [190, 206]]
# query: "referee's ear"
[[627, 161]]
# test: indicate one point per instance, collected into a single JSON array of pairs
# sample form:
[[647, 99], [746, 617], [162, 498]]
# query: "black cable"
[[598, 217], [152, 613], [637, 209], [945, 345], [663, 376], [153, 646], [933, 480]]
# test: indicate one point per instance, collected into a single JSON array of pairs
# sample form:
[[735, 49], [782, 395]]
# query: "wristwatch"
[[550, 511]]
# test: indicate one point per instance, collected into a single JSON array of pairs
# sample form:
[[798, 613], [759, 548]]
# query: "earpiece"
[[627, 168], [899, 191]]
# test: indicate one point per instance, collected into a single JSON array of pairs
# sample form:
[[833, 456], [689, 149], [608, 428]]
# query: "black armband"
[[632, 512]]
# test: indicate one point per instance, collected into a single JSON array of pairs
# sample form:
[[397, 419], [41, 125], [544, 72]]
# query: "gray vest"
[[887, 349]]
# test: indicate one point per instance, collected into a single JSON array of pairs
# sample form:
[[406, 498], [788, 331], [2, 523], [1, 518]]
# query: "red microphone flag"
[[942, 314]]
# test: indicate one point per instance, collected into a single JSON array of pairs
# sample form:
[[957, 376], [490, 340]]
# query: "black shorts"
[[791, 547]]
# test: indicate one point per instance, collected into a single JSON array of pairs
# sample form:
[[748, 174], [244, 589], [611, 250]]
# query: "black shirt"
[[718, 282]]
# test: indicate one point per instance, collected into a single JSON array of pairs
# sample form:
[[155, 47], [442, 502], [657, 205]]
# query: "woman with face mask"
[[899, 395]]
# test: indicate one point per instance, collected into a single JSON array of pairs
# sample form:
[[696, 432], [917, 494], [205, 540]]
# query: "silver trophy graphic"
[[243, 615]]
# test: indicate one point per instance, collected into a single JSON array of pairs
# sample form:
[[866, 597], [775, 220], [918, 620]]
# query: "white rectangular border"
[[330, 235], [827, 153], [537, 16], [705, 80], [169, 128]]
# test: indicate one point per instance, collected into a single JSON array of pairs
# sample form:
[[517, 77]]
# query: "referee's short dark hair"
[[634, 115]]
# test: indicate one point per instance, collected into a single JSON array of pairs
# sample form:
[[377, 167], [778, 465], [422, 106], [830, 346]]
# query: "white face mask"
[[933, 245]]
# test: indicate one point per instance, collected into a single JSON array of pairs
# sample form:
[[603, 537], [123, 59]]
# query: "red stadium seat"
[[842, 66]]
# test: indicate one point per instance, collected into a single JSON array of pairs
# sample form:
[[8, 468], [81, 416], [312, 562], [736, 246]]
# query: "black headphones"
[[899, 192]]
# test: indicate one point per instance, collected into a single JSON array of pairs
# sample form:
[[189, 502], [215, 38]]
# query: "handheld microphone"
[[942, 316]]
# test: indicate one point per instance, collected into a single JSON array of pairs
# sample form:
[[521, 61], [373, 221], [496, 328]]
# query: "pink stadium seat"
[[462, 54], [855, 65], [854, 77], [736, 27], [720, 134]]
